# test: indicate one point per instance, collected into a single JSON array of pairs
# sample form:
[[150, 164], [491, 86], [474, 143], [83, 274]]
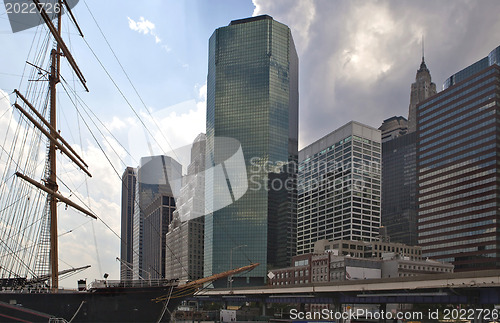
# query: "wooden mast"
[[52, 180], [51, 186]]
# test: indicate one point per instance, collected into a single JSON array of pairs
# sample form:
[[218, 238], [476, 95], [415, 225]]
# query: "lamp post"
[[230, 277]]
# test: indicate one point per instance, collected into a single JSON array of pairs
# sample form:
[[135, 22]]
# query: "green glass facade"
[[252, 96]]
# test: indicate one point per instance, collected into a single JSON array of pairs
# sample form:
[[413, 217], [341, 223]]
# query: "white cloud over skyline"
[[143, 26], [357, 59]]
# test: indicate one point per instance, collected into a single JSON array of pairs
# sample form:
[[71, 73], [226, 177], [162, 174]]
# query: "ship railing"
[[134, 283]]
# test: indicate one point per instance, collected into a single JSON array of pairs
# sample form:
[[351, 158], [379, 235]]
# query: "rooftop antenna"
[[422, 47]]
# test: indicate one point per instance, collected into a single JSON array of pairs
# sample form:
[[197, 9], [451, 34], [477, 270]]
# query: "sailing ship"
[[105, 301], [33, 294]]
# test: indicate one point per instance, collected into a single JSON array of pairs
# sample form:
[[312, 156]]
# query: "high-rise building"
[[399, 189], [393, 127], [339, 187], [185, 237], [422, 89], [493, 58], [158, 182], [458, 168], [157, 218], [399, 165], [184, 254], [252, 96], [128, 200]]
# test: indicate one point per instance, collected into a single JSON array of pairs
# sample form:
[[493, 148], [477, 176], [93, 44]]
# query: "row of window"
[[456, 219], [457, 204], [426, 268], [449, 228], [452, 142], [470, 191], [457, 150], [458, 244], [475, 153], [465, 235], [459, 178], [461, 125], [320, 222], [461, 250], [463, 94], [341, 154], [455, 166], [289, 283], [438, 124], [451, 91], [442, 215]]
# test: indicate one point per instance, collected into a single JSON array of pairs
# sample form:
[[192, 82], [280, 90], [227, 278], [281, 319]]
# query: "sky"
[[357, 60]]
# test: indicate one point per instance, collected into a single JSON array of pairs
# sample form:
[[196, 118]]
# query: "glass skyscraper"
[[252, 96], [458, 169], [156, 185], [129, 179], [399, 188]]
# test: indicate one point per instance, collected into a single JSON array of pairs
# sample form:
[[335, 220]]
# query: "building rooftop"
[[251, 19]]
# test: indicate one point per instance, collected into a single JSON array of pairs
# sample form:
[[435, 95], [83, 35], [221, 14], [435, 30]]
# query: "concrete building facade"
[[339, 187], [329, 267], [365, 249], [184, 249], [393, 127]]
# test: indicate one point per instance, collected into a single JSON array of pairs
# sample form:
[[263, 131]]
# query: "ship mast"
[[55, 139], [51, 182]]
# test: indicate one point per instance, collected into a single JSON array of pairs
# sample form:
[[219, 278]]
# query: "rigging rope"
[[79, 99], [130, 81]]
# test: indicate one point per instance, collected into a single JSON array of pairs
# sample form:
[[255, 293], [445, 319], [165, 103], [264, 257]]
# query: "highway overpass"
[[475, 287]]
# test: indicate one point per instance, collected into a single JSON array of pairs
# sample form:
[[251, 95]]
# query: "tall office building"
[[184, 254], [493, 58], [399, 165], [399, 189], [158, 181], [458, 168], [185, 237], [252, 96], [157, 218], [393, 128], [421, 89], [339, 187], [128, 199]]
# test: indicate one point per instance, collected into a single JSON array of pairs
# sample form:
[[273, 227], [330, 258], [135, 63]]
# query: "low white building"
[[395, 265]]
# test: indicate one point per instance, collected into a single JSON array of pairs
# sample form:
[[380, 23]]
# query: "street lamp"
[[230, 277]]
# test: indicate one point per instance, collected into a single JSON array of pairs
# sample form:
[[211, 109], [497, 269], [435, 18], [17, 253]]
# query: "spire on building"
[[423, 49], [420, 90]]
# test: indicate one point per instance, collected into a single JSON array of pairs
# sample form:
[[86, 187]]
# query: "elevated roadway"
[[474, 287]]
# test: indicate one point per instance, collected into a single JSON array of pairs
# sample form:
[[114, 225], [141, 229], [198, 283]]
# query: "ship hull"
[[97, 305]]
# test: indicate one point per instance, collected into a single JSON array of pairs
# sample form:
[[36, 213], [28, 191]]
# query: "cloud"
[[174, 126], [302, 12], [145, 27], [91, 242], [202, 94], [357, 59]]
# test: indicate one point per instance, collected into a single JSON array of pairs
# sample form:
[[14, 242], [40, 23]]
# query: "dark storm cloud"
[[359, 58]]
